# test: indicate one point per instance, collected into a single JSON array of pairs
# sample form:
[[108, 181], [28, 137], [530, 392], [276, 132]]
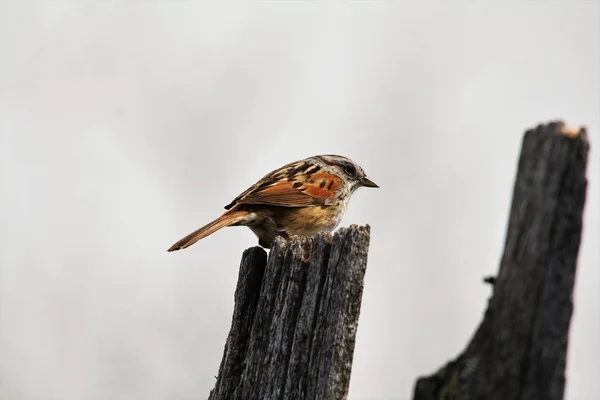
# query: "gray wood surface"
[[295, 319], [520, 348]]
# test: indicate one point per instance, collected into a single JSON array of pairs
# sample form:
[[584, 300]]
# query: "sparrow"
[[301, 198]]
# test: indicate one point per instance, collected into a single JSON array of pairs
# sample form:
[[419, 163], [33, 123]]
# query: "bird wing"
[[299, 184]]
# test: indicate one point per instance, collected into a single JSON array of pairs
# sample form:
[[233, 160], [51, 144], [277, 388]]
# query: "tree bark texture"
[[519, 350], [295, 319]]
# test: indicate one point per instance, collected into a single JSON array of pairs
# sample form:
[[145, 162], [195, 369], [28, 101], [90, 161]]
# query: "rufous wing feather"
[[279, 175], [281, 194], [295, 191], [322, 185], [227, 219]]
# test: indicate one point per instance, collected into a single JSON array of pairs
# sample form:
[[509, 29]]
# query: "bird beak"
[[366, 182]]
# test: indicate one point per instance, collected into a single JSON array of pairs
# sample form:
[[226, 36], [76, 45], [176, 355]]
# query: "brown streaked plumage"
[[301, 198]]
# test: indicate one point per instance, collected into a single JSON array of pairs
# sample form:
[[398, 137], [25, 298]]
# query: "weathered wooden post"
[[519, 350], [295, 319]]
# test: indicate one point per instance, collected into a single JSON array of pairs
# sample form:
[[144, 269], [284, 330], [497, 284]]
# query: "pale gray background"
[[127, 124]]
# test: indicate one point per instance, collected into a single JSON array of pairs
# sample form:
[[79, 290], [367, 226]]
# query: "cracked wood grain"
[[295, 319], [519, 350]]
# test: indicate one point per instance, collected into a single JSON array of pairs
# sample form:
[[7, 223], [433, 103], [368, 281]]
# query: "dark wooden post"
[[295, 319], [519, 350]]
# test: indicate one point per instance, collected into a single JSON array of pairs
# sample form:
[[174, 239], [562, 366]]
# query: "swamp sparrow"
[[301, 198]]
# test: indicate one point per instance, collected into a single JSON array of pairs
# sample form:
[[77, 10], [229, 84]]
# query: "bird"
[[301, 198]]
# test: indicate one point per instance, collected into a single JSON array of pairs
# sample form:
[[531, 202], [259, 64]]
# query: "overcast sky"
[[127, 124]]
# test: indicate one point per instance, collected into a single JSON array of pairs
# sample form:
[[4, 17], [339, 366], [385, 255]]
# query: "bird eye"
[[350, 169]]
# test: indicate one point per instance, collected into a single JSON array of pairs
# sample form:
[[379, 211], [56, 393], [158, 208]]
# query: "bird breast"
[[308, 221]]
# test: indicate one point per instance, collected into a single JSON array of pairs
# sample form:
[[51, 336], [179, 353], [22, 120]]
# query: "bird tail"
[[227, 219]]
